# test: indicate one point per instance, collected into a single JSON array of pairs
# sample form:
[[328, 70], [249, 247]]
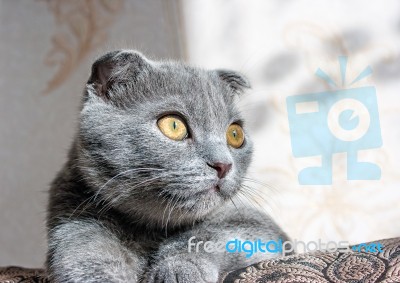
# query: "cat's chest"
[[149, 239]]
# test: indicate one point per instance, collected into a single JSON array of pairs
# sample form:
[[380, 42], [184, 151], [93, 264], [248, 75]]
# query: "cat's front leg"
[[199, 254], [87, 251], [182, 267]]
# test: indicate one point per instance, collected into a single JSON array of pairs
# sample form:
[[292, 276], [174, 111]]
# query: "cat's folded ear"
[[113, 69], [236, 81]]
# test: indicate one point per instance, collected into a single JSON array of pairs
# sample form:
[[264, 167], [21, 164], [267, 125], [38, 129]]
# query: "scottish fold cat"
[[159, 156]]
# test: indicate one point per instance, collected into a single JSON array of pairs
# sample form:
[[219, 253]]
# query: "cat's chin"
[[199, 207], [173, 213]]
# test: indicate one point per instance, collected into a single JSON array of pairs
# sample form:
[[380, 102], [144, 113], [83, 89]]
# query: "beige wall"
[[45, 52]]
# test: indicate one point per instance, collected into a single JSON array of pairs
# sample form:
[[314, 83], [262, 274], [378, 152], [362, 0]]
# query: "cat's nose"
[[222, 168]]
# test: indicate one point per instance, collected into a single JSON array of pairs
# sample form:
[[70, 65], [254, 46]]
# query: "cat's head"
[[162, 141]]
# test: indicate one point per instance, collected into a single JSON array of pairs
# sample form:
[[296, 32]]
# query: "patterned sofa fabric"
[[318, 267], [14, 274]]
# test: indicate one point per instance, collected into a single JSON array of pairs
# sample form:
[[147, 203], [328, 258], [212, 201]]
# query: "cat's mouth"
[[223, 187], [197, 201]]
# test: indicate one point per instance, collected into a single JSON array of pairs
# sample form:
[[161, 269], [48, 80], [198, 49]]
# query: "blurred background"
[[47, 47]]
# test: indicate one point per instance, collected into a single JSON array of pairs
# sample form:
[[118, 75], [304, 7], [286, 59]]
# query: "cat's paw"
[[183, 269]]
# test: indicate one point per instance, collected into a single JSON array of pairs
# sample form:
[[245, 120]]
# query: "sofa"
[[316, 267]]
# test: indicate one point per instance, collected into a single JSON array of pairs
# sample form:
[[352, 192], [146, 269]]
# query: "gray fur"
[[128, 199]]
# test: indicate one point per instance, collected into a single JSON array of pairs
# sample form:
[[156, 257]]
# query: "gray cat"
[[160, 154]]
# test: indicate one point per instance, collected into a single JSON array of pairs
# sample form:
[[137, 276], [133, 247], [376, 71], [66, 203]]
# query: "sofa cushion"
[[13, 274], [317, 267]]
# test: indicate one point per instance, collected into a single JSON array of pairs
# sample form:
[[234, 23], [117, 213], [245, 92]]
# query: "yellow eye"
[[235, 136], [172, 127]]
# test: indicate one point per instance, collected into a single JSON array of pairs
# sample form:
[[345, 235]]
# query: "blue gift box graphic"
[[325, 123]]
